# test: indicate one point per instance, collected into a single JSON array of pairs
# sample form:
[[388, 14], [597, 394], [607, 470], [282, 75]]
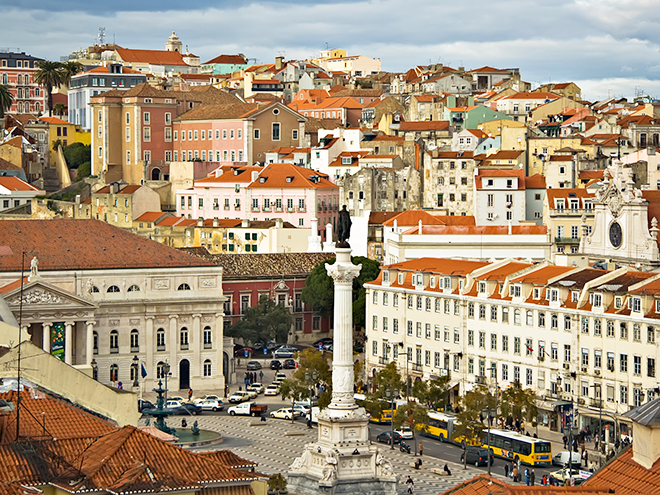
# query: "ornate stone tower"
[[173, 44], [342, 460]]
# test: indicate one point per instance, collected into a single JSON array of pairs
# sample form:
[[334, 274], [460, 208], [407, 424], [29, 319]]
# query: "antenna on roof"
[[101, 36]]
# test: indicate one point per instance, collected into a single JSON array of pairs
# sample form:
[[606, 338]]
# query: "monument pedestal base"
[[343, 460]]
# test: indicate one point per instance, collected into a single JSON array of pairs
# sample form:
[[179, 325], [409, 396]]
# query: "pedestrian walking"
[[421, 449], [532, 478], [515, 474], [585, 457], [506, 470], [410, 484], [261, 376], [190, 393], [565, 440]]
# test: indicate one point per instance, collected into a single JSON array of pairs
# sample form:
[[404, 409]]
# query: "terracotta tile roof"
[[54, 120], [561, 158], [505, 155], [567, 193], [288, 176], [483, 172], [15, 184], [379, 217], [129, 189], [479, 230], [5, 165], [424, 125], [624, 281], [532, 96], [412, 217], [444, 266], [385, 137], [577, 280], [479, 485], [590, 174], [313, 124], [149, 216], [155, 57], [239, 266], [453, 154], [536, 181], [501, 272], [230, 111], [487, 68], [14, 285], [359, 93], [540, 276], [626, 477], [227, 59], [67, 244], [106, 70], [231, 174], [16, 142], [228, 458]]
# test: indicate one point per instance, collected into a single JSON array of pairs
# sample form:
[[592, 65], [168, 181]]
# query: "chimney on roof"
[[245, 223], [279, 223], [419, 228], [255, 174], [314, 240], [200, 222], [218, 171], [216, 222], [396, 224], [279, 62], [646, 424]]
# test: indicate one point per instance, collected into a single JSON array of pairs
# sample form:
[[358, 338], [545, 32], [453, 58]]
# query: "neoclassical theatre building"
[[110, 302]]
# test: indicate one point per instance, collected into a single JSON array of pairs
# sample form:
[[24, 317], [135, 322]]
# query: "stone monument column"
[[343, 460]]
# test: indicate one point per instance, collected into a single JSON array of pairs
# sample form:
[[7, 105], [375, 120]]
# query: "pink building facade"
[[212, 140]]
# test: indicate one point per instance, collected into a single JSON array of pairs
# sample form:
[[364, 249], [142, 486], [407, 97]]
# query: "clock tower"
[[622, 232]]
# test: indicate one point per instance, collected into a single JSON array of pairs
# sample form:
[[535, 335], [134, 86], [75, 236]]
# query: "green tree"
[[84, 170], [387, 379], [77, 153], [318, 292], [414, 416], [474, 409], [59, 109], [69, 69], [311, 363], [6, 99], [265, 321], [434, 392], [519, 404], [50, 75]]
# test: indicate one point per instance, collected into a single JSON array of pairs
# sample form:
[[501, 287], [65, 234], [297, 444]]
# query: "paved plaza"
[[275, 443]]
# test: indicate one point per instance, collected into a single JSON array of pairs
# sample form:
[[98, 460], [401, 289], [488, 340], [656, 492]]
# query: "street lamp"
[[600, 415], [95, 369], [314, 375], [570, 426], [391, 395], [166, 372], [136, 368], [493, 373]]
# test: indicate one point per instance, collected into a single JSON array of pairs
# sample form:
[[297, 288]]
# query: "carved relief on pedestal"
[[330, 469], [38, 296], [207, 282], [161, 283], [302, 462]]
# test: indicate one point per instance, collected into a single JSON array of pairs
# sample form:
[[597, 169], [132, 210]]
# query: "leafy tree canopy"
[[318, 292], [263, 322], [519, 404], [310, 363], [77, 153], [433, 392], [474, 410], [414, 416], [388, 378]]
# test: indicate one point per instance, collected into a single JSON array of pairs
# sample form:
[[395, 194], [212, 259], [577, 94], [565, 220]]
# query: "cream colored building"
[[97, 297], [571, 334], [566, 212]]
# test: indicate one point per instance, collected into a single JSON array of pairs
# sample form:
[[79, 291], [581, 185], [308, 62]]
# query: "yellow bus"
[[516, 447], [442, 426]]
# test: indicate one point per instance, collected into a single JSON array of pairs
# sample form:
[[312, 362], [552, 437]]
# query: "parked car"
[[566, 474], [284, 413], [199, 400], [183, 407], [272, 389], [177, 397], [256, 387], [211, 405], [279, 378], [405, 432], [285, 352], [326, 340], [254, 365], [386, 437], [241, 352], [289, 364], [561, 458], [238, 397], [303, 410], [329, 347], [358, 348], [252, 394], [276, 364], [143, 405], [247, 409], [477, 456]]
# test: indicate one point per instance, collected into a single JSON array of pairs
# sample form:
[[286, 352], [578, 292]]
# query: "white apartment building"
[[580, 337]]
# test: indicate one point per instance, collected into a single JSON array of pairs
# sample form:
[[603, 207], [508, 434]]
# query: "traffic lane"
[[452, 453]]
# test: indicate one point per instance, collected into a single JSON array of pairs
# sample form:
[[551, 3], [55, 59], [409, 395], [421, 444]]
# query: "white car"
[[238, 397], [211, 405], [303, 410], [199, 400], [405, 432], [252, 394], [272, 390], [561, 458], [256, 387], [284, 413]]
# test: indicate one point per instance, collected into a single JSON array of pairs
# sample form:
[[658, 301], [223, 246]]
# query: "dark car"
[[386, 437], [359, 348], [188, 408], [289, 364], [477, 456], [276, 364], [241, 352], [254, 365], [145, 404], [327, 340]]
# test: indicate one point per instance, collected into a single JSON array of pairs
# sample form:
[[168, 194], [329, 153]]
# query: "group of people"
[[512, 471], [251, 377]]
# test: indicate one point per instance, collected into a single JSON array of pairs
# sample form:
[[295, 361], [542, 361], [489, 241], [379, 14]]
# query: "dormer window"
[[481, 287], [489, 182], [517, 291], [262, 179], [552, 295], [596, 300], [432, 282], [461, 283], [537, 293], [346, 160], [447, 282], [657, 306], [560, 204], [386, 276], [575, 296], [636, 304], [618, 302], [419, 279], [401, 277], [289, 179]]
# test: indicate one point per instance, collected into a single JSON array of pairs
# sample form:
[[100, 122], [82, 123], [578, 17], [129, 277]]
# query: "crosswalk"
[[274, 444]]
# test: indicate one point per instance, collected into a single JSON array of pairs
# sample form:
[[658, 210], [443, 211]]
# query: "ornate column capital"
[[173, 317], [149, 317], [91, 322], [197, 315], [342, 273]]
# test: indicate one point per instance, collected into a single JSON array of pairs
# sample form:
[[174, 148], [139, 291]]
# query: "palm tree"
[[59, 109], [6, 99], [69, 69], [49, 75]]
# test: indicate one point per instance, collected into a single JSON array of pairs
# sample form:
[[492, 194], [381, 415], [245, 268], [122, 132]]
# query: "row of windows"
[[201, 135], [20, 78], [25, 107], [160, 340], [160, 371], [227, 155], [133, 288], [268, 204]]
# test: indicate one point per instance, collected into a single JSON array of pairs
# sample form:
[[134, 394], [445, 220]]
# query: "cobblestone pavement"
[[275, 443]]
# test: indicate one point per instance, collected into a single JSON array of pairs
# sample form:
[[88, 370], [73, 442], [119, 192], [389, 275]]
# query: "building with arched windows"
[[99, 297]]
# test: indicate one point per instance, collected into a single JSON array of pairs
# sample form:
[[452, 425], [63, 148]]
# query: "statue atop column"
[[343, 228]]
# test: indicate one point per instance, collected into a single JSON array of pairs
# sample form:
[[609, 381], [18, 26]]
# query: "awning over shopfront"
[[554, 405]]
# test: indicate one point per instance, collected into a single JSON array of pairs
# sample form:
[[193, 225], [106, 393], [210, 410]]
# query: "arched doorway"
[[155, 173], [184, 374]]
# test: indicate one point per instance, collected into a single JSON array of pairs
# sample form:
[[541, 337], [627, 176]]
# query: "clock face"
[[616, 234]]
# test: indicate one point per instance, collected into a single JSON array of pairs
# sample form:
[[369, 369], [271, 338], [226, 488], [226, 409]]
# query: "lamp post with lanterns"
[[310, 379], [391, 395]]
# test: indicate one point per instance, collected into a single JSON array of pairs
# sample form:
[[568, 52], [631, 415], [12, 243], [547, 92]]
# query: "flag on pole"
[[143, 371]]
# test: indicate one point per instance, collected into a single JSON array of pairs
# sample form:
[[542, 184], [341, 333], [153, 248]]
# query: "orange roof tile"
[[15, 184], [155, 57], [626, 477], [445, 266], [479, 230], [536, 181], [412, 217], [287, 175], [129, 189], [55, 120], [231, 174], [149, 216], [424, 125], [540, 276], [501, 272]]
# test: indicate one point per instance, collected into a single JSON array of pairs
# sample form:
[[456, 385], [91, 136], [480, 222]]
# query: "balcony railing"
[[184, 347], [301, 209], [571, 211], [135, 349], [160, 347], [416, 367], [208, 345], [237, 207], [290, 209], [267, 208], [383, 360], [114, 350], [278, 209], [567, 240], [255, 208]]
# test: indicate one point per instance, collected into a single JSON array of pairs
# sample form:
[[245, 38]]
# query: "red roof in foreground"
[[67, 244], [487, 485], [626, 477]]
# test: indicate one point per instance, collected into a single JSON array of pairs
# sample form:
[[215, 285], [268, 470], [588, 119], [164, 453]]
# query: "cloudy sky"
[[610, 48]]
